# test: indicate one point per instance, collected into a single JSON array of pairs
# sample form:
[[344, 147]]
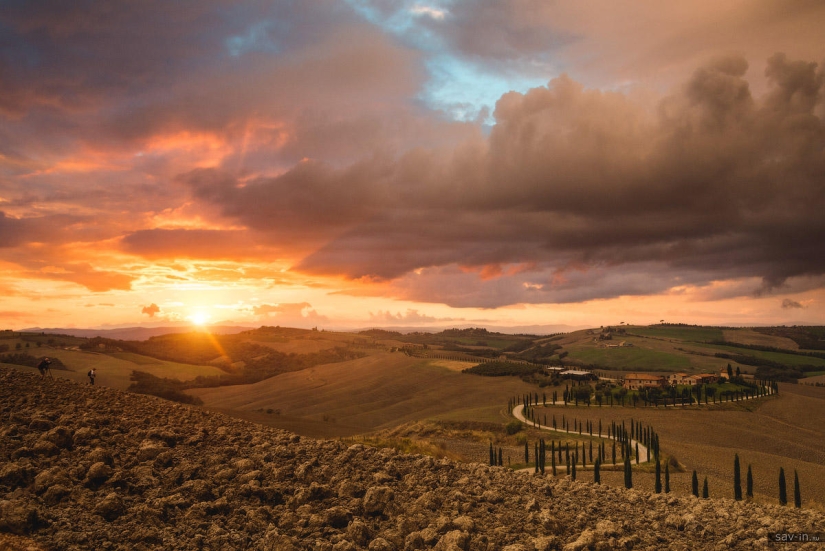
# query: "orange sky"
[[412, 164]]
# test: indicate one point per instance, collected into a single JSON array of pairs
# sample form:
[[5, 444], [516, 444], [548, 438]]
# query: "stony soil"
[[96, 468]]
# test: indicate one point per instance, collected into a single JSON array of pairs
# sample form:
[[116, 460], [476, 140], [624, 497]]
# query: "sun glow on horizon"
[[199, 318]]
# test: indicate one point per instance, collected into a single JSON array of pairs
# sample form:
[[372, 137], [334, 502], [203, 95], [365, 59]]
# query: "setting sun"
[[199, 318]]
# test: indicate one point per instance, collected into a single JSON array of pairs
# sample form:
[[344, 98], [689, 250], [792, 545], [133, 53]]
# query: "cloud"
[[301, 132], [95, 280], [576, 182], [150, 310], [410, 316], [196, 243], [789, 304], [298, 314]]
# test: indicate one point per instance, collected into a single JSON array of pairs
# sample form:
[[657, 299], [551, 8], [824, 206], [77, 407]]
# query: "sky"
[[379, 163]]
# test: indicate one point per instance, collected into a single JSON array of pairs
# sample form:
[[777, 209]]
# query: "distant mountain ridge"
[[138, 333]]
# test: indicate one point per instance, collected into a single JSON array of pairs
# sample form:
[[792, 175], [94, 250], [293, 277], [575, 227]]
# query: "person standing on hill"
[[92, 374], [43, 367]]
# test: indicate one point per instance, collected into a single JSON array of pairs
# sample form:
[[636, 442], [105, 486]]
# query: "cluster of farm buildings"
[[635, 381]]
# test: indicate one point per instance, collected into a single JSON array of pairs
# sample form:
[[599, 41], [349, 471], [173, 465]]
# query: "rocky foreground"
[[95, 468]]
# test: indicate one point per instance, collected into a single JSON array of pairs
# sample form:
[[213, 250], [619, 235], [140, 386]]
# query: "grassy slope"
[[681, 333], [662, 349], [114, 371], [787, 359], [378, 391], [749, 336]]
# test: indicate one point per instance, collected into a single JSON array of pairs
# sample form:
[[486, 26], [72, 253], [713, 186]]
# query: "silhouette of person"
[[43, 367]]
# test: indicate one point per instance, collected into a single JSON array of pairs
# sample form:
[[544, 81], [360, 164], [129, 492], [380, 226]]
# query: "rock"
[[18, 517], [44, 447], [60, 437], [464, 523], [13, 475], [585, 540], [98, 473], [376, 499], [55, 494], [545, 543], [100, 455], [455, 540], [150, 449], [358, 532], [51, 477], [110, 507], [337, 517], [380, 544], [414, 540], [41, 424]]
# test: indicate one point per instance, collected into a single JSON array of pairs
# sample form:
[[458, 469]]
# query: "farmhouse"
[[635, 381], [679, 379], [704, 378], [724, 373]]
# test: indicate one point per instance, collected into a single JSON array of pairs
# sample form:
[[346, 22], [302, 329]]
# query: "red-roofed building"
[[635, 381]]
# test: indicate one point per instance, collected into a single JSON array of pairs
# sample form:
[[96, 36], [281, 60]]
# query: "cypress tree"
[[658, 485], [637, 453], [591, 451], [567, 459], [797, 496], [541, 455], [749, 490], [553, 457], [667, 477], [628, 473], [783, 495], [492, 455], [694, 484], [500, 457], [737, 479], [526, 453], [573, 466], [705, 493], [614, 452], [536, 456], [597, 477]]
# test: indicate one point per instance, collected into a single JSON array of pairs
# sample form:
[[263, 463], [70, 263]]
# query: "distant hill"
[[137, 333]]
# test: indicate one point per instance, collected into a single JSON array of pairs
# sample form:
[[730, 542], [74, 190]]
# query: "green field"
[[779, 357], [630, 358], [677, 332], [490, 342]]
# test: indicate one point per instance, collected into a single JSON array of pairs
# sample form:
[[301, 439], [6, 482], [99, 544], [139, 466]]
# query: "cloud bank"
[[316, 145]]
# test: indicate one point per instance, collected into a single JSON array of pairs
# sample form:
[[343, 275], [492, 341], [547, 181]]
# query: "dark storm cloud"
[[582, 184], [791, 304], [181, 243], [295, 125]]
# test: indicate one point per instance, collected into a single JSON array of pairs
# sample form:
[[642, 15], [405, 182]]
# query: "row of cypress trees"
[[783, 492]]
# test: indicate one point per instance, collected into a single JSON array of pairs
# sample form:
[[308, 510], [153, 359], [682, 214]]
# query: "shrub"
[[513, 427]]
